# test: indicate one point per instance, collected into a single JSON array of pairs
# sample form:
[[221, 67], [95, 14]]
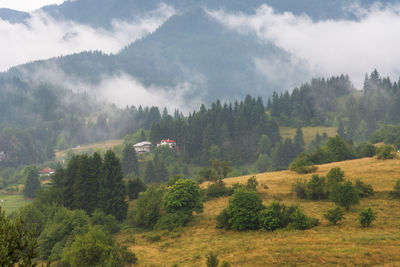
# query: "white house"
[[142, 147], [167, 142], [2, 156]]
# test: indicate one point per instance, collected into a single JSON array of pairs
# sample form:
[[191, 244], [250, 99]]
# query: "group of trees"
[[333, 187], [166, 208], [229, 132], [90, 183], [245, 211]]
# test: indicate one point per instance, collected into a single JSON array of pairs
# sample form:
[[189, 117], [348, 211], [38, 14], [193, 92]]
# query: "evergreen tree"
[[113, 189], [149, 175], [32, 184], [69, 182], [129, 160], [135, 186], [299, 144], [160, 170]]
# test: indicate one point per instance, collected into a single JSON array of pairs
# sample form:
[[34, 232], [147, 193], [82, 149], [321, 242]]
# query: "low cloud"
[[328, 47], [125, 90], [41, 36]]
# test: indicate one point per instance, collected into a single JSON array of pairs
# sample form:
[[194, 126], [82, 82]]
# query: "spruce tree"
[[69, 182], [32, 184], [299, 144], [149, 175], [129, 160], [113, 189]]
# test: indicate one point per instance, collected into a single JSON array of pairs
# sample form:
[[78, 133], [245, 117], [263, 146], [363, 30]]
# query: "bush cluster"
[[332, 187], [246, 212], [163, 208]]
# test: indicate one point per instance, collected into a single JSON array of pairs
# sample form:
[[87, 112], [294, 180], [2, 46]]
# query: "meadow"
[[12, 202], [347, 244], [308, 132]]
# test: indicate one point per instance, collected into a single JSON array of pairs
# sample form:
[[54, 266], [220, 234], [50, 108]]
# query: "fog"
[[125, 90], [329, 47], [42, 36]]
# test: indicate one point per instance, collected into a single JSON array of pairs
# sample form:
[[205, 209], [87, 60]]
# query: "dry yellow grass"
[[308, 132], [346, 244], [84, 148]]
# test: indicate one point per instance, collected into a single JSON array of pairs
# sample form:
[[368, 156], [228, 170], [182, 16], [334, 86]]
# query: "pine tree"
[[69, 182], [129, 160], [299, 144], [32, 184], [149, 175], [113, 189]]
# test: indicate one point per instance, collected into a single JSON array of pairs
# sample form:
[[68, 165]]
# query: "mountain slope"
[[325, 245]]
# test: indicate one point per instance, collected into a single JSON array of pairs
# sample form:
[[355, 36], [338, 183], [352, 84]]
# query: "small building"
[[142, 147], [167, 142], [2, 156], [47, 171]]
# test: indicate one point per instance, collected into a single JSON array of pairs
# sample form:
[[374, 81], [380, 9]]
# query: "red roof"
[[47, 170], [168, 141]]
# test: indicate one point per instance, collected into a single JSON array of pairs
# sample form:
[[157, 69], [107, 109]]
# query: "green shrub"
[[225, 264], [212, 260], [222, 220], [366, 217], [302, 165], [396, 189], [252, 183], [386, 152], [275, 216], [244, 207], [147, 209], [218, 189], [171, 221], [183, 196], [300, 221], [334, 176], [317, 188], [95, 248], [334, 215], [366, 150], [107, 222], [299, 187], [345, 195], [363, 189], [152, 237]]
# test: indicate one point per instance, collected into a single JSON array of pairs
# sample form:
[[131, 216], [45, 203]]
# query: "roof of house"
[[144, 143], [168, 141], [47, 170]]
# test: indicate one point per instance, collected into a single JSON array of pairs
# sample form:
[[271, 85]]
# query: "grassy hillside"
[[346, 244], [308, 132], [90, 148], [12, 203]]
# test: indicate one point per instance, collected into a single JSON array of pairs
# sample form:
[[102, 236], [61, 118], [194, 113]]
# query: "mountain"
[[191, 49], [13, 15]]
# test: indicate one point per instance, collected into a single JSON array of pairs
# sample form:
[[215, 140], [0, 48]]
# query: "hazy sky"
[[27, 5]]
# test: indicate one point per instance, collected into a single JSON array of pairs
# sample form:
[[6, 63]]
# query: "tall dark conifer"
[[129, 160], [32, 184], [113, 189]]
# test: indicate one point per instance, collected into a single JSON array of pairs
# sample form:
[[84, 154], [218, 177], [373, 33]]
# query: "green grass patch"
[[12, 203]]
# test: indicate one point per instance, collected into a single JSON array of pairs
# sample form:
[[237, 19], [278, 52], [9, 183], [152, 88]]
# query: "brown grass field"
[[346, 244], [308, 132]]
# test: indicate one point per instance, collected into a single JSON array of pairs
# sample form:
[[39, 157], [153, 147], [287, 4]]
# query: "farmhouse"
[[142, 147], [167, 142], [47, 171]]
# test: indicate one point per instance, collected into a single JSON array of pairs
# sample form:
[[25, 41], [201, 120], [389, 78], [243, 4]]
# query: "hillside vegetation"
[[345, 244]]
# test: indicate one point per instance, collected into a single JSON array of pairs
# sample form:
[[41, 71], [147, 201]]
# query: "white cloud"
[[27, 5], [125, 90], [42, 36], [330, 47]]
